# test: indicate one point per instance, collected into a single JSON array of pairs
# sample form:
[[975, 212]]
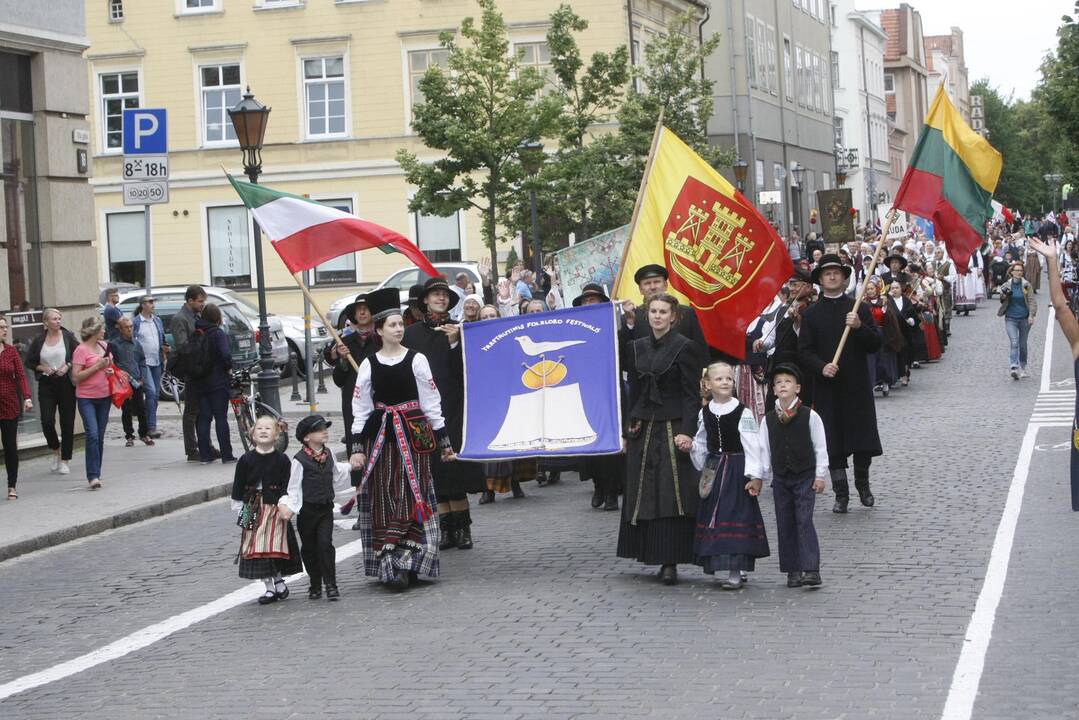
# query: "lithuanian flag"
[[951, 179]]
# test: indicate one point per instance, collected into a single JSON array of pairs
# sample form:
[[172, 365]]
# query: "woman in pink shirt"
[[90, 369]]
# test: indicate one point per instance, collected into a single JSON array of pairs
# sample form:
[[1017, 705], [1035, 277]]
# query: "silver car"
[[404, 279], [293, 327]]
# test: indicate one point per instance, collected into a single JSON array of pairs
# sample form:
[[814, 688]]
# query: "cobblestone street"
[[541, 620]]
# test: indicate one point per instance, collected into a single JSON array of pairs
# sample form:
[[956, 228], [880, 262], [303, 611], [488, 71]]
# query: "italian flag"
[[306, 233], [951, 179]]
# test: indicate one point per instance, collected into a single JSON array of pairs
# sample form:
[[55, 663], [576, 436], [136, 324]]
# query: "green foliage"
[[1059, 94]]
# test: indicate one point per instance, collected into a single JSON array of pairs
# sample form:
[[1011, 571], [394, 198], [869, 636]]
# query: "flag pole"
[[318, 311], [868, 276], [640, 197]]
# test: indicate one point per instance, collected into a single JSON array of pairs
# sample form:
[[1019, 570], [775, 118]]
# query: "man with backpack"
[[182, 326]]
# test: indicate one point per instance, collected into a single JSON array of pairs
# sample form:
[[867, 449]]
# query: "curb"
[[126, 517]]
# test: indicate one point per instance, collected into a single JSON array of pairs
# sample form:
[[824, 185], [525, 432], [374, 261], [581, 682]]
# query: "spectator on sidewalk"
[[91, 367], [182, 326], [130, 359], [150, 333], [214, 387], [111, 314], [14, 400], [49, 356]]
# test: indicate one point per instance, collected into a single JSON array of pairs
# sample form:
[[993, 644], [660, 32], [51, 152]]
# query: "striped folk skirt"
[[730, 529], [261, 568], [394, 541]]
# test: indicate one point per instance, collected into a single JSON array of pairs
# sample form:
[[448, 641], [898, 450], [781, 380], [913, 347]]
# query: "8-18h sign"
[[146, 162]]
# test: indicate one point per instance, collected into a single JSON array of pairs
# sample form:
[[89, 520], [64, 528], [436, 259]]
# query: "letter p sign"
[[145, 132]]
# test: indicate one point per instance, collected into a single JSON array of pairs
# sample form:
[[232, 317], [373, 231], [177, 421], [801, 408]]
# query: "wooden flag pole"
[[318, 311], [640, 198], [868, 276]]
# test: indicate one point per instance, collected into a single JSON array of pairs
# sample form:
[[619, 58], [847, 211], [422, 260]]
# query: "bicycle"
[[247, 406]]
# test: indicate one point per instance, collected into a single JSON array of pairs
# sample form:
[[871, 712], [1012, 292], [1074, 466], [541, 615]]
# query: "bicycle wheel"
[[261, 409], [244, 423]]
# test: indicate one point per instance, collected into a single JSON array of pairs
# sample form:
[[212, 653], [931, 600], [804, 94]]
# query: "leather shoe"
[[464, 538], [332, 592], [811, 579], [611, 503], [267, 598], [597, 499], [448, 534], [314, 593], [488, 496], [669, 575], [866, 497], [794, 579], [840, 505]]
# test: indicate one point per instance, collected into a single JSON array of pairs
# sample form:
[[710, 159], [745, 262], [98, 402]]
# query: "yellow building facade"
[[340, 76]]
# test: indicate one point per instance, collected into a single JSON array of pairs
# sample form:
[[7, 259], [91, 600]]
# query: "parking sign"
[[145, 132]]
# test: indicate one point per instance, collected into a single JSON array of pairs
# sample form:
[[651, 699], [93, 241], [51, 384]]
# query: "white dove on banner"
[[533, 348]]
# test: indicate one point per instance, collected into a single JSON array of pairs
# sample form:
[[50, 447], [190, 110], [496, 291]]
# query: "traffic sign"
[[770, 197], [145, 132], [146, 167], [151, 192]]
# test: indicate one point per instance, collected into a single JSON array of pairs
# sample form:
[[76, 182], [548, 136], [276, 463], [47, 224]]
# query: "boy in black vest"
[[794, 456], [311, 488]]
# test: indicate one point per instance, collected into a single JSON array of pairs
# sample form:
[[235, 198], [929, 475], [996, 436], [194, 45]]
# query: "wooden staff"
[[640, 199], [868, 274], [329, 326]]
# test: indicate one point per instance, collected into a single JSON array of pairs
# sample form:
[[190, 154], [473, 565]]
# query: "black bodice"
[[722, 431], [393, 384]]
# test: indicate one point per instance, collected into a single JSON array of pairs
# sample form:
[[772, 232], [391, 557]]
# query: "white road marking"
[[968, 670], [152, 633]]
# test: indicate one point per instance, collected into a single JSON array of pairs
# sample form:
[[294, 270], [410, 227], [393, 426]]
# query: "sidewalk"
[[329, 403]]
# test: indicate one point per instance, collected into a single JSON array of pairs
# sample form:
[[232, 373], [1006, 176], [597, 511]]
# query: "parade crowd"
[[702, 431]]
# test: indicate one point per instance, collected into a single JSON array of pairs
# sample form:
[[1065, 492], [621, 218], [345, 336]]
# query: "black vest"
[[390, 385], [791, 444], [317, 479], [722, 431]]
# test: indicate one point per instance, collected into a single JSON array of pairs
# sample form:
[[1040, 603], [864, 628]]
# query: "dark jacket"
[[344, 376], [130, 357], [33, 353], [182, 325], [664, 381], [218, 379]]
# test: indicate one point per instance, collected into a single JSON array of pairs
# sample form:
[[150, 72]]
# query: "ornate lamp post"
[[249, 119], [840, 176], [798, 174], [531, 155], [740, 169]]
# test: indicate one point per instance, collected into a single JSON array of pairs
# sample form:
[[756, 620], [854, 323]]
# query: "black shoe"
[[281, 594], [553, 478], [215, 453], [399, 582], [840, 505], [669, 575], [611, 503], [314, 593], [861, 484], [447, 535], [488, 496], [267, 598], [356, 525], [794, 579], [517, 491], [866, 497], [194, 458], [597, 499], [811, 579], [226, 461], [464, 537], [332, 593]]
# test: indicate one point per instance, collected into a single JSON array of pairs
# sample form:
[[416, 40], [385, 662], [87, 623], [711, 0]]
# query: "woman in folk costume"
[[907, 315], [398, 422], [927, 292], [968, 286], [660, 506], [730, 533], [883, 364], [438, 338]]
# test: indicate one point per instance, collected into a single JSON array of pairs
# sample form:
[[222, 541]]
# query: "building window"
[[762, 58], [751, 50], [788, 81], [773, 70], [835, 70], [220, 91], [439, 238], [119, 92], [778, 173], [799, 74], [758, 171], [419, 62], [126, 233], [889, 83], [537, 55], [324, 96], [342, 269], [825, 180], [230, 248], [818, 84], [197, 6], [116, 10]]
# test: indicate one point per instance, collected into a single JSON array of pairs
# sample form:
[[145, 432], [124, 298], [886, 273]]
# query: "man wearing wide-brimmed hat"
[[843, 394]]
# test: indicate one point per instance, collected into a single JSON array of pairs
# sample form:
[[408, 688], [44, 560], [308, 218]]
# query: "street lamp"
[[249, 119], [531, 155], [798, 174], [740, 169], [840, 177], [1054, 182]]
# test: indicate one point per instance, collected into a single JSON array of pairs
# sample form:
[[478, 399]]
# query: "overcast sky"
[[1005, 41]]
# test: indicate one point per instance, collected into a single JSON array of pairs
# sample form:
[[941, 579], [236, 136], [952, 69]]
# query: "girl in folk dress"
[[730, 530], [398, 422], [260, 481]]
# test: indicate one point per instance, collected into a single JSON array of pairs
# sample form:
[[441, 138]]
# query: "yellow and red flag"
[[723, 257]]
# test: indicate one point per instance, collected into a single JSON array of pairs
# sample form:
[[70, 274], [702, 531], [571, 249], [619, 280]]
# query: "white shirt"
[[294, 499], [459, 308], [151, 344], [699, 452], [363, 401], [762, 467]]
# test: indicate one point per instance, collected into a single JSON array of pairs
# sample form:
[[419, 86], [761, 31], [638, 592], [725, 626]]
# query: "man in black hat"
[[651, 281], [414, 308], [591, 294], [439, 339], [896, 265], [843, 394]]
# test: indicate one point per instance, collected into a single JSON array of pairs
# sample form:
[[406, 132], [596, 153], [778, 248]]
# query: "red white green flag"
[[306, 233]]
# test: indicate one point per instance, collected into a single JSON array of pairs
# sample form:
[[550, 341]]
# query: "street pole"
[[536, 249], [267, 378], [146, 217], [308, 365]]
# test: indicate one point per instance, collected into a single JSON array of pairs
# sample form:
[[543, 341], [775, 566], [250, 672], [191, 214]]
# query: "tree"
[[1059, 92], [478, 109]]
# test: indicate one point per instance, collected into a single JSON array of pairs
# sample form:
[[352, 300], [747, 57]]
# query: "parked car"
[[404, 279], [278, 343], [293, 327], [234, 322]]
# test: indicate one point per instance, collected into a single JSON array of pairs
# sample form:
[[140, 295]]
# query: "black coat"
[[845, 403], [447, 369], [33, 353], [786, 350], [345, 377], [688, 325]]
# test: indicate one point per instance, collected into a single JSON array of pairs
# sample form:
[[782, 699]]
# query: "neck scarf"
[[436, 319], [786, 415], [320, 457]]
